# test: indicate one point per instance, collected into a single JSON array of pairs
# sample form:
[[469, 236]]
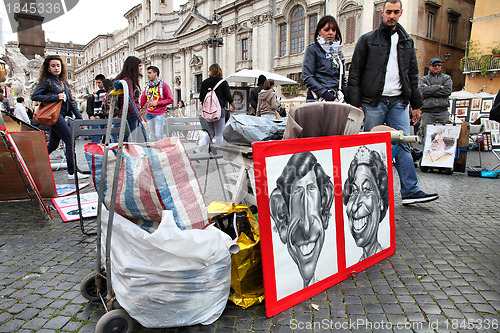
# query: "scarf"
[[157, 83], [332, 51]]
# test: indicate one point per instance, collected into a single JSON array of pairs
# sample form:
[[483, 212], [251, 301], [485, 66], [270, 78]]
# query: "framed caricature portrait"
[[240, 97], [312, 236], [474, 115], [440, 145], [462, 112]]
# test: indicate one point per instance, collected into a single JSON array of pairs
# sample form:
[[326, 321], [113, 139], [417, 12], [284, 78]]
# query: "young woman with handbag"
[[53, 88]]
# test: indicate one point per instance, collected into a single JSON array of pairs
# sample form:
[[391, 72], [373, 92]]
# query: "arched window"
[[297, 33], [349, 21]]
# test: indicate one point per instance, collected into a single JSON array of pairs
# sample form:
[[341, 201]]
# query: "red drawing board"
[[317, 227]]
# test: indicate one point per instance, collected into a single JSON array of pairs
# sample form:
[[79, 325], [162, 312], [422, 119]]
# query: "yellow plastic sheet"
[[247, 284]]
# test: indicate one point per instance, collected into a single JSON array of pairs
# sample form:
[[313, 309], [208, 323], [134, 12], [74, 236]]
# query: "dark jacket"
[[319, 76], [435, 96], [49, 90], [254, 96], [495, 109], [369, 64], [223, 93]]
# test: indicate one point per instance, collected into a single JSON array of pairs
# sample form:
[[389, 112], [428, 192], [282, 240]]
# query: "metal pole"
[[215, 48]]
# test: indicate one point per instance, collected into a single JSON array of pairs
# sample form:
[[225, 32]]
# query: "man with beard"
[[300, 207]]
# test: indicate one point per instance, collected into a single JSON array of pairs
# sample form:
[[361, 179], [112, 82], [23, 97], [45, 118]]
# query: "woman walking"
[[223, 93], [323, 67], [53, 87]]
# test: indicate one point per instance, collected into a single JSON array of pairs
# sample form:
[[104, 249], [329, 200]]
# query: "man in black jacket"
[[436, 90], [383, 78]]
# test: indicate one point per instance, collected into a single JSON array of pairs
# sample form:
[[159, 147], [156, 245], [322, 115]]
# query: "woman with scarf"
[[53, 87], [323, 67], [156, 97]]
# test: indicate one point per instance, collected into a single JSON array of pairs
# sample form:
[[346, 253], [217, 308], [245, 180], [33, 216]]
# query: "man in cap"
[[436, 91]]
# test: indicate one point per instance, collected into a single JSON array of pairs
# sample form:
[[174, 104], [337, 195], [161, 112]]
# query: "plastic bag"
[[243, 129], [171, 277], [247, 282]]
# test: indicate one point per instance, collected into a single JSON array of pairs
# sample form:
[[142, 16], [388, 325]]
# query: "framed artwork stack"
[[326, 212]]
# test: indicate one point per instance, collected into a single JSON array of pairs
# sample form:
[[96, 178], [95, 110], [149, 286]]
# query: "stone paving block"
[[11, 326], [35, 324], [47, 313], [42, 303]]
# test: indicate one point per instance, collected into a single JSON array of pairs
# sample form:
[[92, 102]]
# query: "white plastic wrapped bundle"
[[171, 277]]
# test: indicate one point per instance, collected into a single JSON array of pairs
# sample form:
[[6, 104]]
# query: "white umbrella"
[[251, 76]]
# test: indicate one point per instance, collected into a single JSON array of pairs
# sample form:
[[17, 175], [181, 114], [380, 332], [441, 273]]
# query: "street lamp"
[[215, 42]]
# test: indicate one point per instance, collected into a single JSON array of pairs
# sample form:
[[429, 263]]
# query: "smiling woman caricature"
[[366, 197]]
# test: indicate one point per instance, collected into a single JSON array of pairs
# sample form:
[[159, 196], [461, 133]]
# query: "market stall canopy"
[[462, 94], [251, 76]]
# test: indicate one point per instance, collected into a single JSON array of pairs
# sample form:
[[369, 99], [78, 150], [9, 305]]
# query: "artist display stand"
[[242, 185]]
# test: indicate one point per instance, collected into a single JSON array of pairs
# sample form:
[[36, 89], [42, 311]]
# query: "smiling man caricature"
[[300, 208]]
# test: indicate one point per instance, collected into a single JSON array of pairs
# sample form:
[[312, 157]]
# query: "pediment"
[[193, 22]]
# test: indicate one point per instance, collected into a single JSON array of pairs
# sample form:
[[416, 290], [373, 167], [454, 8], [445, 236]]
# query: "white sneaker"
[[80, 176]]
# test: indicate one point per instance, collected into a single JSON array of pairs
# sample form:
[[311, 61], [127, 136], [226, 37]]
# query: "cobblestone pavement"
[[444, 276]]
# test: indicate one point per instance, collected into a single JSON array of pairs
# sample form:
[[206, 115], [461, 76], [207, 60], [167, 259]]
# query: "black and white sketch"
[[304, 238], [366, 201], [240, 99], [440, 145]]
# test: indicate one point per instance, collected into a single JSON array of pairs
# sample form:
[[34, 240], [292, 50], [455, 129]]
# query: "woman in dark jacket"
[[323, 67], [53, 87], [223, 93]]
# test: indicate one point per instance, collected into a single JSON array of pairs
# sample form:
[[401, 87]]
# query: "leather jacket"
[[369, 65]]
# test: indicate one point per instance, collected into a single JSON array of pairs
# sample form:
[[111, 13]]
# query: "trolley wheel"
[[424, 168], [89, 290], [115, 321]]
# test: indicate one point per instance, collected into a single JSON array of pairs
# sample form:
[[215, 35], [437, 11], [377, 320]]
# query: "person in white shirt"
[[20, 110]]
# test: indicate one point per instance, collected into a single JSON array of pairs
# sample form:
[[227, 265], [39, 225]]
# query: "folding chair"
[[185, 128], [78, 128]]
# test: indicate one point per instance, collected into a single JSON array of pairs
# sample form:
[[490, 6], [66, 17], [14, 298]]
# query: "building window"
[[70, 75], [349, 20], [198, 79], [431, 18], [68, 61], [350, 30], [244, 49], [377, 15], [313, 20], [452, 22], [297, 26], [79, 61], [283, 40]]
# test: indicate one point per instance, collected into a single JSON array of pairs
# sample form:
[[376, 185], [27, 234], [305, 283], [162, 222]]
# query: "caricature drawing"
[[366, 199], [300, 209]]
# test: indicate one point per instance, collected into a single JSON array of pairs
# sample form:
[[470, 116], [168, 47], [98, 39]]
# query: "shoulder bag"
[[48, 113]]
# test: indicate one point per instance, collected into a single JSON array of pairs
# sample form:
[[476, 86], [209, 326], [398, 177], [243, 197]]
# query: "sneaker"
[[419, 197], [80, 176]]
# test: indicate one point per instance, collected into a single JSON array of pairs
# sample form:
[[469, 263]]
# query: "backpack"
[[211, 109]]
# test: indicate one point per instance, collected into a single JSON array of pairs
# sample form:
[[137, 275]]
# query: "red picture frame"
[[285, 282]]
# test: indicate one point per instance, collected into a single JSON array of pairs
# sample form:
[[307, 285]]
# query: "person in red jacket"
[[156, 96]]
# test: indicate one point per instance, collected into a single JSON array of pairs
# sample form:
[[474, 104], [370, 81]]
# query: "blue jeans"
[[96, 138], [395, 115], [156, 122]]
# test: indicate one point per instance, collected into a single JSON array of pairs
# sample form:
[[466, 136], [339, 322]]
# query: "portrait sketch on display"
[[365, 197], [301, 202], [473, 116], [240, 99], [67, 206], [440, 145], [487, 103]]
